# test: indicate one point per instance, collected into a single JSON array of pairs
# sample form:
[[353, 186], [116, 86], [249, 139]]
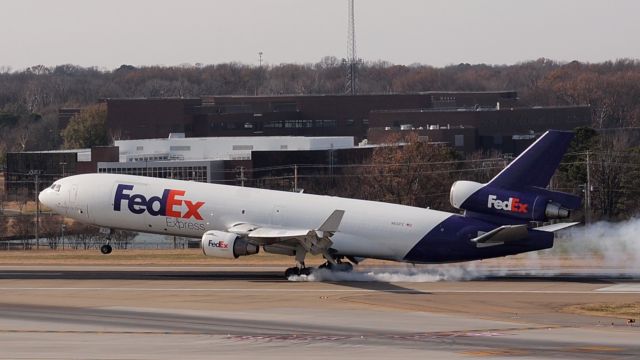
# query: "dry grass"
[[183, 257], [620, 310], [189, 257], [162, 257]]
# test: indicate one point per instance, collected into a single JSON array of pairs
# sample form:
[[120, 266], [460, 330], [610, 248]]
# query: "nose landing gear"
[[106, 249]]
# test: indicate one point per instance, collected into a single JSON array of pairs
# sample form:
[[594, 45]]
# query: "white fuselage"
[[368, 229]]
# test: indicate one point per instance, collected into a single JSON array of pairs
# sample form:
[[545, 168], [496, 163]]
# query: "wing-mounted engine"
[[526, 204], [227, 245]]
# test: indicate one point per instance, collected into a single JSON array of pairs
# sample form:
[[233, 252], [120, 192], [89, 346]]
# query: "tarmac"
[[237, 312]]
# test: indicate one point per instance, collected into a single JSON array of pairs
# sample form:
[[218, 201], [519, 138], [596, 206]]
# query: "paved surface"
[[235, 312]]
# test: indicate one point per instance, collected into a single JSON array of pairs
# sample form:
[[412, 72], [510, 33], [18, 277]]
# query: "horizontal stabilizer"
[[501, 235], [556, 227]]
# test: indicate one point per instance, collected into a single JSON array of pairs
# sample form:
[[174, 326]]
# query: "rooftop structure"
[[222, 148]]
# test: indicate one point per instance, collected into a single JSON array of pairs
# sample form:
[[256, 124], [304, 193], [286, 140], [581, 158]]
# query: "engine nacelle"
[[528, 204], [227, 245]]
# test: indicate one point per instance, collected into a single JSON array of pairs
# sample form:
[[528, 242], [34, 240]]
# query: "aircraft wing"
[[501, 235], [315, 241], [277, 233]]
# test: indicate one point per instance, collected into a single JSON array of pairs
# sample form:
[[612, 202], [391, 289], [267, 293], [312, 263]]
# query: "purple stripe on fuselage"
[[450, 242]]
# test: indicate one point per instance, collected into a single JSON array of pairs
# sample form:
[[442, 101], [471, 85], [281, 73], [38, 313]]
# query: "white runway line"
[[31, 273], [259, 290], [627, 288]]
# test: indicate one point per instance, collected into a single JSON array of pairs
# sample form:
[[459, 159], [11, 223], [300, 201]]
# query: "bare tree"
[[51, 229], [21, 227]]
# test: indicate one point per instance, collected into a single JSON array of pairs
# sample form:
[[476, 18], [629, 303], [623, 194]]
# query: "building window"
[[242, 147], [297, 124], [459, 140], [274, 124], [139, 148], [180, 148], [325, 123]]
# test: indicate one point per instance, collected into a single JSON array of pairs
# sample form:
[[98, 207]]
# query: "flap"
[[281, 233], [242, 229]]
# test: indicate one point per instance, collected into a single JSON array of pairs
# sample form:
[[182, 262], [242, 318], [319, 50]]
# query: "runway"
[[102, 312]]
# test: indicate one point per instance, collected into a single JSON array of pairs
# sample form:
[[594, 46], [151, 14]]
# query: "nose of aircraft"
[[50, 196], [45, 197]]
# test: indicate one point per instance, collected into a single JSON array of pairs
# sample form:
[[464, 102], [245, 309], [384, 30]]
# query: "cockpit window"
[[55, 187]]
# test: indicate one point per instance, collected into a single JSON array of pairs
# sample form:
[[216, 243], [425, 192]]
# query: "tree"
[[22, 227], [87, 128], [414, 173], [615, 177]]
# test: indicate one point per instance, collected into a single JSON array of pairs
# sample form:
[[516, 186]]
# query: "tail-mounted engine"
[[527, 204], [227, 245]]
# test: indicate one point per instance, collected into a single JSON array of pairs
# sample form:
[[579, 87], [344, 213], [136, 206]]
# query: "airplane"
[[233, 221]]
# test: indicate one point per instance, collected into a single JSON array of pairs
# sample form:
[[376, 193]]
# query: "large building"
[[227, 159], [242, 125], [207, 159], [304, 115], [508, 130], [221, 148], [497, 117]]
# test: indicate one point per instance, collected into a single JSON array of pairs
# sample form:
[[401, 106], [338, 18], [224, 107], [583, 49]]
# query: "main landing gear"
[[332, 264], [106, 249]]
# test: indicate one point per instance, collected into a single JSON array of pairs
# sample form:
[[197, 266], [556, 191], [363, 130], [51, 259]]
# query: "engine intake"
[[227, 245]]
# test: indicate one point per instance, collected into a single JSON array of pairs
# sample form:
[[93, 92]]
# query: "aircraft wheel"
[[106, 249], [342, 267], [306, 271], [291, 272], [345, 266]]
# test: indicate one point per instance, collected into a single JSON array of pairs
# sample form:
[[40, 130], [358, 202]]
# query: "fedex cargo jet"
[[234, 221]]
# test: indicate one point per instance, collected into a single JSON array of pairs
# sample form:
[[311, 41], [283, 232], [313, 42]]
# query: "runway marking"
[[301, 336], [31, 273], [425, 291], [111, 332], [629, 288]]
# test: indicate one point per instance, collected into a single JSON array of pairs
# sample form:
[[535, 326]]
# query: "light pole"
[[62, 227], [63, 164], [35, 173], [260, 58]]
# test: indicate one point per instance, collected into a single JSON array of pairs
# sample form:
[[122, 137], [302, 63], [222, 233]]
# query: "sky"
[[107, 34]]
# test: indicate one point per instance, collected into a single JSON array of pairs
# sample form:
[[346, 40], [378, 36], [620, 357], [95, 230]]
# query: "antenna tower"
[[351, 86]]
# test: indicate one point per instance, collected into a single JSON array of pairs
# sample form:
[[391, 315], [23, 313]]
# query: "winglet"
[[333, 222]]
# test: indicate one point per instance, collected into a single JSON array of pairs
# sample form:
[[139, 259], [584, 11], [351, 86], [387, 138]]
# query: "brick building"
[[304, 115]]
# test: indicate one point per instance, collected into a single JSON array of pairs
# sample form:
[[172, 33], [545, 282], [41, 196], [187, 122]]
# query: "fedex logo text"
[[170, 204], [512, 205], [218, 244]]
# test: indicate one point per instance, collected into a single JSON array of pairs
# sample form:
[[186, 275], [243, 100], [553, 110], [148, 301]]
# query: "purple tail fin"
[[518, 192], [535, 166]]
